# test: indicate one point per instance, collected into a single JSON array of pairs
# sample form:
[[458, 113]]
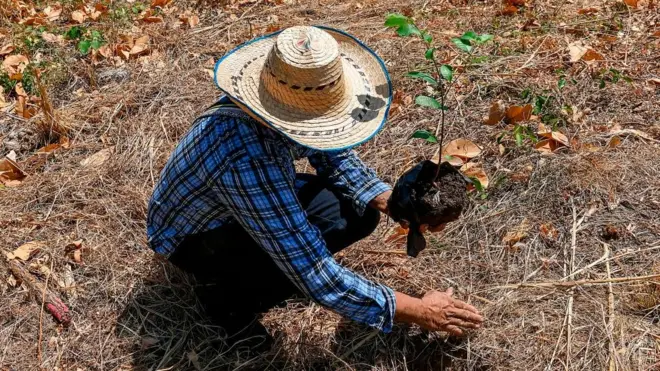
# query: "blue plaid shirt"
[[230, 167]]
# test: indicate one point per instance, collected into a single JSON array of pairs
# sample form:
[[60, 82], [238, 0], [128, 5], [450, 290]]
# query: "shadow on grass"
[[168, 330]]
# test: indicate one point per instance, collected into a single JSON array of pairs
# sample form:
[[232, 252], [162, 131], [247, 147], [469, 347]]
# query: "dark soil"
[[420, 197]]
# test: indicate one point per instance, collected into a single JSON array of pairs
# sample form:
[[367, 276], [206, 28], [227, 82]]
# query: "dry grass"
[[132, 311]]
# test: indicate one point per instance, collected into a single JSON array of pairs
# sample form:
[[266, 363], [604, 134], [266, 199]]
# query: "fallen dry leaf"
[[10, 172], [549, 232], [26, 250], [140, 46], [631, 3], [98, 158], [592, 55], [397, 235], [160, 3], [496, 113], [152, 19], [508, 10], [588, 11], [15, 64], [546, 146], [53, 12], [462, 148], [554, 135], [8, 48], [472, 170], [193, 21], [20, 91], [78, 16], [518, 114], [614, 141], [52, 38], [576, 50], [516, 234]]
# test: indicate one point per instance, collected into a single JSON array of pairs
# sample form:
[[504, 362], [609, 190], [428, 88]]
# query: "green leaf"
[[96, 34], [462, 44], [425, 101], [84, 45], [447, 72], [429, 53], [602, 84], [525, 93], [408, 30], [428, 38], [426, 135], [539, 102], [519, 139], [470, 35], [74, 33], [396, 20], [96, 44], [484, 38], [627, 79], [561, 83], [477, 184], [421, 75]]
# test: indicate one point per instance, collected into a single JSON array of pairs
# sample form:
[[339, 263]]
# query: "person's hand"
[[444, 313], [438, 311]]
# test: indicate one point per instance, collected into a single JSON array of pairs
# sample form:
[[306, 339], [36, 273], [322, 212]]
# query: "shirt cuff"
[[386, 322], [368, 192]]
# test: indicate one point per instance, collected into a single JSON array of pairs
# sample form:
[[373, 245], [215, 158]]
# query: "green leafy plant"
[[611, 75], [87, 40], [441, 76]]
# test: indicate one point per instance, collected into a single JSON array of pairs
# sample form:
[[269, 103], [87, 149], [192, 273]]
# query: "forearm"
[[407, 309], [380, 202]]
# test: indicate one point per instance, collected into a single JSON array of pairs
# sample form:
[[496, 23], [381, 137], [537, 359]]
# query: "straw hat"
[[318, 86]]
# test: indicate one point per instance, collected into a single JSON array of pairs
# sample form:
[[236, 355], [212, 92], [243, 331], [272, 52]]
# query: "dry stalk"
[[610, 310], [569, 284]]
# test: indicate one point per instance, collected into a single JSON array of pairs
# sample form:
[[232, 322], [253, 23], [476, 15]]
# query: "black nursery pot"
[[426, 195]]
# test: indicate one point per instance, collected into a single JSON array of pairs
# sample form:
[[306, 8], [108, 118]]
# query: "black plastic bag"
[[419, 198]]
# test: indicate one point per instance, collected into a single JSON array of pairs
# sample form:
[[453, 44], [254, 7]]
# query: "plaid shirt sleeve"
[[263, 199], [350, 176]]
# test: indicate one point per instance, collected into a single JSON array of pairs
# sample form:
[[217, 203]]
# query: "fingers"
[[453, 330], [461, 323], [450, 291], [465, 315], [466, 306]]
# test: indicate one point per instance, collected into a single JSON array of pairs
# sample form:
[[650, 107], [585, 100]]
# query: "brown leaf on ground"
[[553, 135], [461, 148], [160, 3], [549, 232], [53, 12], [508, 10], [15, 64], [631, 3], [517, 3], [576, 50], [25, 251], [397, 235], [496, 113], [588, 11], [546, 146], [78, 16], [518, 114], [516, 234], [592, 55], [8, 48], [97, 159], [10, 172], [473, 170], [614, 141], [140, 46], [52, 38], [152, 19]]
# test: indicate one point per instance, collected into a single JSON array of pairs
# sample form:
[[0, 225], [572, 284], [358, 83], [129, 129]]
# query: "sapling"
[[430, 193]]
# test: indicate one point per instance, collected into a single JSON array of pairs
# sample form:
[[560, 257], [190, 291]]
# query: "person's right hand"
[[438, 311], [441, 312]]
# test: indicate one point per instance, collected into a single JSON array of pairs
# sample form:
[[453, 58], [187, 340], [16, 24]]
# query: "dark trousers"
[[237, 279]]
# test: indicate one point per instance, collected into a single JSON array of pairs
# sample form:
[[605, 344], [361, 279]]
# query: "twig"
[[605, 259], [359, 344], [569, 306], [398, 252], [52, 302], [41, 312], [569, 284], [610, 310]]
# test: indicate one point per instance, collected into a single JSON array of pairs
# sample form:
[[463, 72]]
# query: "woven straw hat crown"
[[318, 86], [303, 70]]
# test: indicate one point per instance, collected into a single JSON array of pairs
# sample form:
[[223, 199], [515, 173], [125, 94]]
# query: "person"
[[230, 208]]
